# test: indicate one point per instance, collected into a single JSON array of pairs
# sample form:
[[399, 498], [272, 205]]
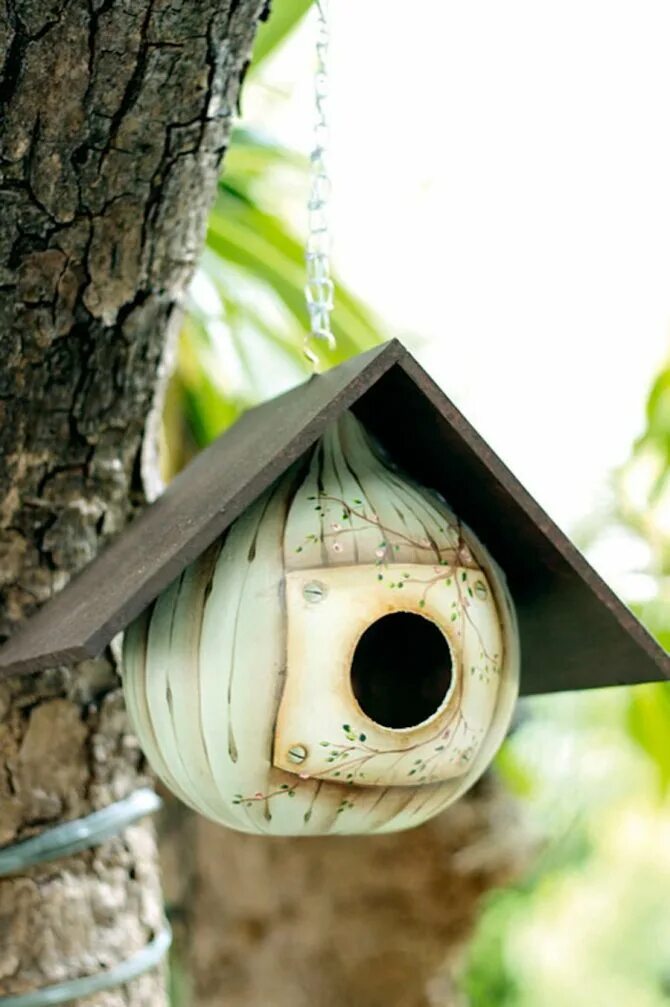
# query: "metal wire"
[[319, 286], [79, 834], [62, 841], [85, 986]]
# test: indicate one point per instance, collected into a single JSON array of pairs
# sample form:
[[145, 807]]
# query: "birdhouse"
[[347, 646], [329, 614]]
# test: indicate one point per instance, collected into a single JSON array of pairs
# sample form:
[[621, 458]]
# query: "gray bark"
[[114, 116]]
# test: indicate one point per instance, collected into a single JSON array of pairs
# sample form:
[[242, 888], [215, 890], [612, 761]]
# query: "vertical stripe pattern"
[[205, 666]]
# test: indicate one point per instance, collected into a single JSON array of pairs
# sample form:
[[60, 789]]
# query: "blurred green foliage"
[[644, 483], [284, 17], [243, 333], [588, 925]]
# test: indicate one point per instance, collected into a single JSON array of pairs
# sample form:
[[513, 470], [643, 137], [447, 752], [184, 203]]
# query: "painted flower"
[[335, 526], [304, 776], [380, 553], [337, 547]]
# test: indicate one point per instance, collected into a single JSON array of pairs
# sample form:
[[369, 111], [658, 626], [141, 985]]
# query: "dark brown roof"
[[575, 633]]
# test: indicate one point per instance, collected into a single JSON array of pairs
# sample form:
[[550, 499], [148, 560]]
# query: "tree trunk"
[[371, 921], [113, 120]]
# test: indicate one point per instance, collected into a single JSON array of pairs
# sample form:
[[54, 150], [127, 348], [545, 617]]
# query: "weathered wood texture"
[[575, 633], [113, 120]]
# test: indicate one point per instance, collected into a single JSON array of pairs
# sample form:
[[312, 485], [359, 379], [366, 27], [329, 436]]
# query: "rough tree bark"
[[114, 116]]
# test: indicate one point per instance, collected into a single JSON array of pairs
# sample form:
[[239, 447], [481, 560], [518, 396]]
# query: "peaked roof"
[[575, 633]]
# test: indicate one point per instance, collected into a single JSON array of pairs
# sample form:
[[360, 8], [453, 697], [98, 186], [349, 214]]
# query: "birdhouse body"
[[338, 651], [345, 659]]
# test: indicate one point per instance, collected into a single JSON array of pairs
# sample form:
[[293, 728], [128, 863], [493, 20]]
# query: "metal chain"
[[319, 287]]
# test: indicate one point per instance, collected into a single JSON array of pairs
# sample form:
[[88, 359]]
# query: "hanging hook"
[[319, 288]]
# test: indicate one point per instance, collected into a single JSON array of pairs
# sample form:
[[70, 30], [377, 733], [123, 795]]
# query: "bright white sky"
[[501, 197]]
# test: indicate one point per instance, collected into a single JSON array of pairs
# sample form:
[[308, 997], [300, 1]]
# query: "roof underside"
[[575, 633]]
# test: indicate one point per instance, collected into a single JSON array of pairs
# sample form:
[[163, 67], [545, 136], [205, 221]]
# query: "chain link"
[[319, 291]]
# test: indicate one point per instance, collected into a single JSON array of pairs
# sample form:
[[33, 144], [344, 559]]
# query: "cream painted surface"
[[318, 702], [232, 666]]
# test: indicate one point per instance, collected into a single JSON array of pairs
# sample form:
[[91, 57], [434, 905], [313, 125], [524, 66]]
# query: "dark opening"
[[401, 670]]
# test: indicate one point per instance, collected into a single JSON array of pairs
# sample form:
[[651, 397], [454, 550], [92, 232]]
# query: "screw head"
[[297, 753], [314, 592]]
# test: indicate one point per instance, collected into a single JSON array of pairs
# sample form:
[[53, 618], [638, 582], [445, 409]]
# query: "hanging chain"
[[319, 286]]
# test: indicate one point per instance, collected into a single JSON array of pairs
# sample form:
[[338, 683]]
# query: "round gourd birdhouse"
[[345, 659]]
